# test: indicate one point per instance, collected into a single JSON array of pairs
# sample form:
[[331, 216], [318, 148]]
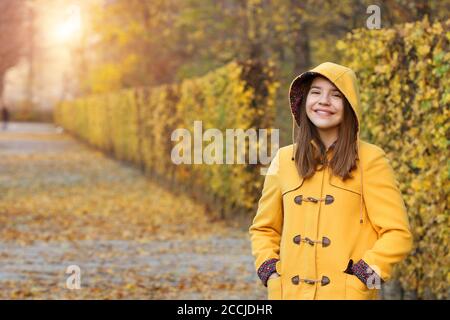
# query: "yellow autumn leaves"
[[136, 125], [405, 93]]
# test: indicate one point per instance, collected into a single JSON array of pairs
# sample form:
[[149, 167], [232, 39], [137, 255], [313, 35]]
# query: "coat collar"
[[318, 148]]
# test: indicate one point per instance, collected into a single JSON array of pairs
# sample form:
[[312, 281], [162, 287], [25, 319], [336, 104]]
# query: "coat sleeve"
[[387, 213], [265, 231]]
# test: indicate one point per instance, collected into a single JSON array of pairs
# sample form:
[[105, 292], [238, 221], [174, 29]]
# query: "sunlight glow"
[[69, 26]]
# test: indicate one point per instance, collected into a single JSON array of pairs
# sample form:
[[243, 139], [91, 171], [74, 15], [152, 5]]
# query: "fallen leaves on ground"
[[63, 203]]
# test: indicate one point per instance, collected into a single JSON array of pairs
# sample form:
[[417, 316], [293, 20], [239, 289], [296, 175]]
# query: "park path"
[[63, 203]]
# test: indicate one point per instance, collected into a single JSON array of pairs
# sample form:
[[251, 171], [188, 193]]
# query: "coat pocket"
[[355, 289], [274, 289]]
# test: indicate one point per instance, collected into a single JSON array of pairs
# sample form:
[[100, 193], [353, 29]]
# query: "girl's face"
[[324, 104]]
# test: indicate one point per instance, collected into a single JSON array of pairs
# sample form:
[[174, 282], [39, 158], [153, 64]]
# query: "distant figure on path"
[[5, 117]]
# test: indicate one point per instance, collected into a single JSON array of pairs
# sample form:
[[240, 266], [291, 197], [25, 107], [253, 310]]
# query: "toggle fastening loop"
[[328, 199], [325, 241], [324, 281], [310, 241]]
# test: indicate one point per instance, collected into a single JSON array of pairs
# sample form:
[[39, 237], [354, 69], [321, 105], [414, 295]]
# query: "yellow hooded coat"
[[326, 238]]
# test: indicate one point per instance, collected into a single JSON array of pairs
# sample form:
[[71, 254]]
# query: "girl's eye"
[[314, 92]]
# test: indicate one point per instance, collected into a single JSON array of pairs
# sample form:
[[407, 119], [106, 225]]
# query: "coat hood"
[[345, 80], [342, 77]]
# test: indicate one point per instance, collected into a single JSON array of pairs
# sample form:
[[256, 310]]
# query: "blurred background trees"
[[152, 42], [12, 36], [72, 48]]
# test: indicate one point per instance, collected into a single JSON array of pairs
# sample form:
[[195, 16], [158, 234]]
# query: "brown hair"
[[308, 157]]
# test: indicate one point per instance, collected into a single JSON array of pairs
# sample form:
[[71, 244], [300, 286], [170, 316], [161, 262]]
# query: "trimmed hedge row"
[[404, 74], [136, 125]]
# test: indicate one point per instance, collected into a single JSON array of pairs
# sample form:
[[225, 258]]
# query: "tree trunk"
[[302, 52], [2, 85], [301, 47]]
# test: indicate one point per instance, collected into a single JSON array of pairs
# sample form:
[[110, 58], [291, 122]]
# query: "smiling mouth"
[[323, 113]]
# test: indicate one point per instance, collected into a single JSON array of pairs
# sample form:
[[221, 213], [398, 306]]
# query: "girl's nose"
[[324, 100]]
